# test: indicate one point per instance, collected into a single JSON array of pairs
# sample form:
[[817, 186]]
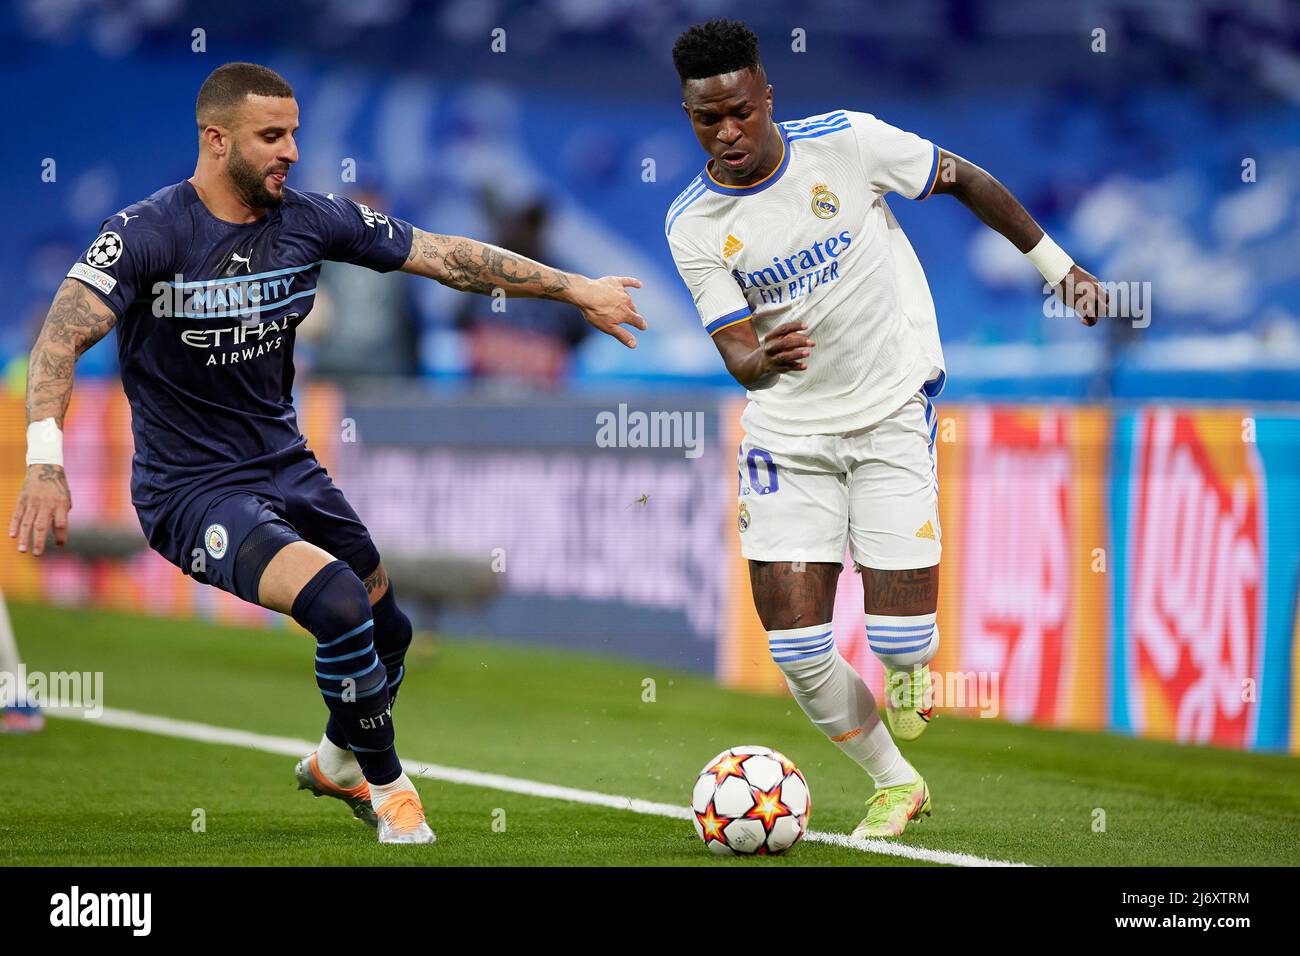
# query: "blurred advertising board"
[[602, 517], [1203, 505], [1136, 571]]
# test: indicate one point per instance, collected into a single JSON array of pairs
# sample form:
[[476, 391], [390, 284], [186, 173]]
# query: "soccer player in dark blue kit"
[[207, 281]]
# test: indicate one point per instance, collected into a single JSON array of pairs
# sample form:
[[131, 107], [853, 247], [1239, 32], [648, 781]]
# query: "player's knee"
[[334, 597], [900, 641], [335, 608], [806, 655]]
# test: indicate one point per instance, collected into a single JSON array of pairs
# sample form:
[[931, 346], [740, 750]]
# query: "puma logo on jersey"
[[926, 531], [237, 260], [126, 218], [731, 246]]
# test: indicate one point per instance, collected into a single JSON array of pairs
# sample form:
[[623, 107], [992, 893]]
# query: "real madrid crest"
[[744, 517], [825, 204]]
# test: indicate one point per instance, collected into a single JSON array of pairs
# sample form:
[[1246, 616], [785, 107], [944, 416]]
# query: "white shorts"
[[876, 490]]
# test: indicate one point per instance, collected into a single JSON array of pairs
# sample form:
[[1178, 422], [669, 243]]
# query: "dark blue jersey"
[[207, 312]]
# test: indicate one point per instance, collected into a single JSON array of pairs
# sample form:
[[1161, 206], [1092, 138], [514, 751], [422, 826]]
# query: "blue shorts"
[[264, 508]]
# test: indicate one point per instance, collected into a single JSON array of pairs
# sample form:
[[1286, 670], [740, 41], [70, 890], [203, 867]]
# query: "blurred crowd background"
[[1172, 157]]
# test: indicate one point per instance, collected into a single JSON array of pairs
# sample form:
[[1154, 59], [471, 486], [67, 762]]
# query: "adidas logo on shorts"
[[926, 531]]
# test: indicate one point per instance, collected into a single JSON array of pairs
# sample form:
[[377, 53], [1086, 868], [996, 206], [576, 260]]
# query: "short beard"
[[249, 183]]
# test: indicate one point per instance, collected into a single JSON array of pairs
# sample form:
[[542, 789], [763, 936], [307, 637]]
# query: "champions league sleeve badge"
[[105, 250]]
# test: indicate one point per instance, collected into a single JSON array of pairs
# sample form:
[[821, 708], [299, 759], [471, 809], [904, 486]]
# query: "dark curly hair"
[[716, 47]]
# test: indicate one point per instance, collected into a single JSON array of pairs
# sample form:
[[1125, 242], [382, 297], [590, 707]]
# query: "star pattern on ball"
[[728, 765], [787, 765], [768, 807], [712, 825]]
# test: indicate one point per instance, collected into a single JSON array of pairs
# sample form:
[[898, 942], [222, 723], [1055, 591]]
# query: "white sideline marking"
[[290, 747]]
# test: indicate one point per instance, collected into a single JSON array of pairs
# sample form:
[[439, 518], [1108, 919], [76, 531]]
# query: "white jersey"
[[815, 241]]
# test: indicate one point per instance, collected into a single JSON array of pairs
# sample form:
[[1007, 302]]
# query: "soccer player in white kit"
[[786, 243]]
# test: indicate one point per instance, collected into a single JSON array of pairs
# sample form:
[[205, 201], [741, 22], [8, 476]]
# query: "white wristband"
[[44, 443], [1050, 259]]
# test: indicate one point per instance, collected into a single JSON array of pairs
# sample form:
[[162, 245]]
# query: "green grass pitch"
[[82, 794]]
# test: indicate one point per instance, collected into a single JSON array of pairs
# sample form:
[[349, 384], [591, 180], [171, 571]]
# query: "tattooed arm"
[[473, 266], [998, 209], [77, 320]]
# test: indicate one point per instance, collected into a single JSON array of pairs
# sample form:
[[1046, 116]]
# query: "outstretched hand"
[[606, 304], [43, 503]]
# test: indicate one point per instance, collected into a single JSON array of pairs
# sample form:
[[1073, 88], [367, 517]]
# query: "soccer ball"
[[750, 800]]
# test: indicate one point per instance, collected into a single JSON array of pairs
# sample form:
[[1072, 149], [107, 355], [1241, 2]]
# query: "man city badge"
[[825, 204], [215, 539], [744, 517]]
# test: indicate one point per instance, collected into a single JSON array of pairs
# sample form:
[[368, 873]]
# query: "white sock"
[[380, 793], [883, 760], [339, 765], [903, 642], [837, 701]]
